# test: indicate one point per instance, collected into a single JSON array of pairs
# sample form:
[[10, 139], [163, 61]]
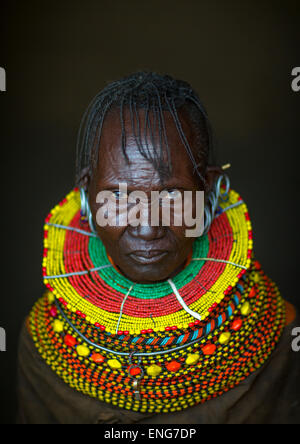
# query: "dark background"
[[58, 55]]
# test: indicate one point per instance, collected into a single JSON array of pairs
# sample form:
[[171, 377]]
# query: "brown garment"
[[270, 396]]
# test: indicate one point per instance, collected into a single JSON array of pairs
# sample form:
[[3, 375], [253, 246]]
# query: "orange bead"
[[209, 349], [134, 371], [70, 341], [173, 366], [252, 293], [97, 358], [237, 325]]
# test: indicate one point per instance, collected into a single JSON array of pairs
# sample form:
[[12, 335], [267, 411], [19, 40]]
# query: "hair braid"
[[153, 93]]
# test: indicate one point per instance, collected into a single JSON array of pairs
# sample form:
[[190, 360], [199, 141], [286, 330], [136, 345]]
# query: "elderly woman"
[[147, 322]]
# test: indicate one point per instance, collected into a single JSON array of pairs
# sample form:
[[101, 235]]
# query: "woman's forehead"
[[114, 166]]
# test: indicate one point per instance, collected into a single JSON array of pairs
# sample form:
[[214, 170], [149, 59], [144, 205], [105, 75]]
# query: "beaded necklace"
[[160, 347]]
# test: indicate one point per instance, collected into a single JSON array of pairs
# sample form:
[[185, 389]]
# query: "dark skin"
[[145, 254]]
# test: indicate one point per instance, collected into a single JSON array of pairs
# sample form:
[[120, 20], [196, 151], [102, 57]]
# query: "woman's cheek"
[[110, 234]]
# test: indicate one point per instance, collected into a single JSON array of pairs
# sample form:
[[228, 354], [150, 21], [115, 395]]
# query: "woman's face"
[[148, 253]]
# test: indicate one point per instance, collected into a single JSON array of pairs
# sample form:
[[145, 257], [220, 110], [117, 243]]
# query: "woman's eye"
[[173, 194], [120, 195]]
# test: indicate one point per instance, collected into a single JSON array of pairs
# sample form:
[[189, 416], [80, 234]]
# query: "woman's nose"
[[147, 233]]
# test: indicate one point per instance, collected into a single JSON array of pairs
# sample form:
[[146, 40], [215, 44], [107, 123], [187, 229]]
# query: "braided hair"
[[154, 93]]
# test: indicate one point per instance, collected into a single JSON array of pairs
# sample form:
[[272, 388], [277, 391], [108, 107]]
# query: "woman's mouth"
[[148, 257]]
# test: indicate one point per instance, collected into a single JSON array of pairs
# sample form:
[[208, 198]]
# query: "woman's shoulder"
[[291, 313]]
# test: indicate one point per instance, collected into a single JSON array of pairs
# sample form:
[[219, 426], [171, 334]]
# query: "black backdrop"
[[57, 55]]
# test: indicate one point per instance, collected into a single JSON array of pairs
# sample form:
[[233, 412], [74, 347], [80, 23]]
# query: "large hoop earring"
[[214, 196], [86, 210]]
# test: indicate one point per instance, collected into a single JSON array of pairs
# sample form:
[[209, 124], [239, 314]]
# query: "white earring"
[[213, 200], [86, 210]]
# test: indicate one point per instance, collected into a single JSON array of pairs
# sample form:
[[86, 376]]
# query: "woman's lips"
[[148, 257]]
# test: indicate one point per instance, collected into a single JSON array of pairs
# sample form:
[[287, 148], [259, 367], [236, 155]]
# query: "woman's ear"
[[212, 173], [84, 179]]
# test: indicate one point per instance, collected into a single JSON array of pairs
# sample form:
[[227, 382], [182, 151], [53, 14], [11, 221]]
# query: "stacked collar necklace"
[[160, 347]]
